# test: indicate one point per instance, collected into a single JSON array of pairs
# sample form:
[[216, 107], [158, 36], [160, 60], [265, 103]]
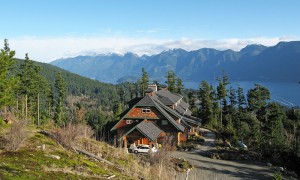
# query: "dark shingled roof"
[[146, 101], [165, 94], [148, 129], [149, 90], [184, 105], [192, 120], [160, 99], [176, 124]]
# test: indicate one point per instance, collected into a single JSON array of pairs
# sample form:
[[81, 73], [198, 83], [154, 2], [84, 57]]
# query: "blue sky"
[[51, 29]]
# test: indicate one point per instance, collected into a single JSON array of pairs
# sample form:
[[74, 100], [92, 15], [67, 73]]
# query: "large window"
[[146, 110]]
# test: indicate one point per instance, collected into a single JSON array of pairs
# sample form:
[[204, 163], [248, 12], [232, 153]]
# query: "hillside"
[[76, 84], [43, 157], [253, 63]]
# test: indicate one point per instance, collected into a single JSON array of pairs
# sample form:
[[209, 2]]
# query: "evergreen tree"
[[117, 109], [8, 83], [257, 97], [179, 86], [255, 132], [33, 88], [144, 81], [60, 89], [221, 95], [171, 81], [241, 98], [206, 106], [275, 133], [232, 98]]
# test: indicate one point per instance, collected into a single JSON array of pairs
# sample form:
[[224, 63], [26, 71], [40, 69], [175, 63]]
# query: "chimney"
[[153, 87]]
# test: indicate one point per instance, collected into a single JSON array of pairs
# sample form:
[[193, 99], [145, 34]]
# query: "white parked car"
[[242, 145], [142, 148]]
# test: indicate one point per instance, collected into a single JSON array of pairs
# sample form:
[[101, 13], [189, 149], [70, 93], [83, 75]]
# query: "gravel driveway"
[[207, 168]]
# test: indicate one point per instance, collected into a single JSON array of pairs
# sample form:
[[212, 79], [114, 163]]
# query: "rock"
[[53, 156], [43, 147], [269, 164]]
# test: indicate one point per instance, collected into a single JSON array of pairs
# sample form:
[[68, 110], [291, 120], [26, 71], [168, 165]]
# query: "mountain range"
[[279, 63]]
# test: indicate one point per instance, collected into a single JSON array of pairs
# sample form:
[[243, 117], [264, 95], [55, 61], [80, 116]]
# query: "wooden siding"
[[121, 124], [137, 113]]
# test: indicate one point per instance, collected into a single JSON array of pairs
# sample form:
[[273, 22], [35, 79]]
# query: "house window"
[[164, 122], [146, 110], [129, 121]]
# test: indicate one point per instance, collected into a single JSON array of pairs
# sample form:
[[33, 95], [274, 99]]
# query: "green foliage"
[[8, 83], [33, 89], [277, 175], [241, 98], [144, 81], [275, 131], [206, 106], [174, 83], [171, 81], [228, 132], [179, 86], [257, 97], [60, 90]]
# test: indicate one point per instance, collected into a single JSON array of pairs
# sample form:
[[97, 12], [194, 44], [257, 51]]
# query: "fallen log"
[[93, 156], [76, 149]]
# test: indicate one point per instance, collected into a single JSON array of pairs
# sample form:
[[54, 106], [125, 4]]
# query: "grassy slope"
[[31, 162]]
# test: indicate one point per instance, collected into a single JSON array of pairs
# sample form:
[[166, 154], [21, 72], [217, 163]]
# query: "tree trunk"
[[38, 109], [26, 108]]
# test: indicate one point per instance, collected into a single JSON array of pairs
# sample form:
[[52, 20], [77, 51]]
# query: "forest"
[[264, 126], [42, 93]]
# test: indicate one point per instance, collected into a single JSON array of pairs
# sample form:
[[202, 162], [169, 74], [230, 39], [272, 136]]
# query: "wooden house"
[[157, 115]]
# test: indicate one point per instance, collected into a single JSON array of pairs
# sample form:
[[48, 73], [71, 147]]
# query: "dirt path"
[[207, 168]]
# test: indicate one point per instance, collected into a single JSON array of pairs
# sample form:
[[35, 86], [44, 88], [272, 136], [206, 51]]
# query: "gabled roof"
[[180, 112], [149, 101], [176, 124], [146, 101], [148, 129], [167, 97], [194, 121], [167, 108]]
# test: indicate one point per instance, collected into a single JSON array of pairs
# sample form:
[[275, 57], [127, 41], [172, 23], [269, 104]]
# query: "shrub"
[[277, 176], [69, 134], [16, 135]]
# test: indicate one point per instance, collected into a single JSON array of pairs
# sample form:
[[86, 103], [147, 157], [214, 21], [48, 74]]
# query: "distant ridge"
[[279, 63]]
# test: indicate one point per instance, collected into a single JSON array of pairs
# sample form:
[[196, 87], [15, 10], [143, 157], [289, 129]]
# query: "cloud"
[[48, 49]]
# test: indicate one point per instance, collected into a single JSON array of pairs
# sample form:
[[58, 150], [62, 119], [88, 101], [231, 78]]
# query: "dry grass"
[[15, 135], [70, 134]]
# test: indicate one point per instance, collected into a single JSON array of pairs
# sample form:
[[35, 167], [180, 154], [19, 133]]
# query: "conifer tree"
[[206, 106], [241, 98], [33, 88], [179, 86], [274, 132], [144, 81], [60, 89], [171, 81], [257, 97], [8, 83], [232, 98]]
